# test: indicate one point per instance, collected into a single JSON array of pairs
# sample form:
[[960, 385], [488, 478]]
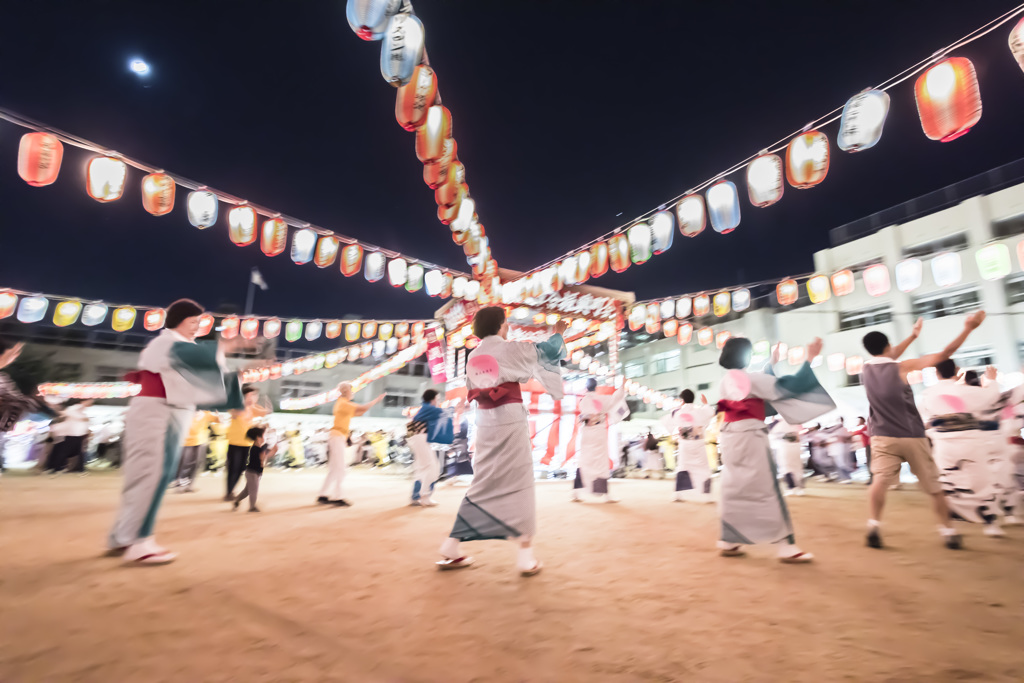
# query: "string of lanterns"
[[948, 100], [86, 390], [40, 155], [393, 364], [418, 108], [587, 363], [32, 308]]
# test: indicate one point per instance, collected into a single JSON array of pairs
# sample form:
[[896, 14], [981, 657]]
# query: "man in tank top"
[[897, 430]]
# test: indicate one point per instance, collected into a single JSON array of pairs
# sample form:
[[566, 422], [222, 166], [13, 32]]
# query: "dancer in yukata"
[[594, 463], [752, 508], [693, 473], [500, 503], [176, 374], [790, 455]]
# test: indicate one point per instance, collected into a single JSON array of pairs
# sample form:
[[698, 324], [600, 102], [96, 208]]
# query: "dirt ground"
[[630, 592]]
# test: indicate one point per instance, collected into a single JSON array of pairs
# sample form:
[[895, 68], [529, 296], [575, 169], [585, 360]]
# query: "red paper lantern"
[[272, 328], [401, 329], [158, 194], [229, 327], [685, 333], [451, 194], [274, 236], [670, 327], [436, 174], [326, 251], [431, 135], [948, 99], [843, 283], [250, 327], [599, 259], [206, 322], [807, 159], [618, 253], [652, 324], [415, 97], [333, 329], [351, 259], [447, 214], [787, 292], [369, 330], [705, 336], [39, 157], [154, 319], [8, 302]]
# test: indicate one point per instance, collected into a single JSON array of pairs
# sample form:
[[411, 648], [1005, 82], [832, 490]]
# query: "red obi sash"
[[152, 385], [747, 409], [508, 392]]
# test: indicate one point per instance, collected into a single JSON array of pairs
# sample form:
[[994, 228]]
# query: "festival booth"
[[594, 314]]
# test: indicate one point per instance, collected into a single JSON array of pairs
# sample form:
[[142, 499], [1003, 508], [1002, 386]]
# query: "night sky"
[[566, 114]]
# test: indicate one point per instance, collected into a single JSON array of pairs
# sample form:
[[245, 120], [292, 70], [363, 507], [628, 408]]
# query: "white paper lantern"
[[909, 274], [863, 120], [724, 206], [765, 180], [303, 244], [947, 269], [201, 207], [402, 49], [663, 230]]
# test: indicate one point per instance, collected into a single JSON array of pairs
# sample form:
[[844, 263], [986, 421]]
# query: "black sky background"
[[566, 114]]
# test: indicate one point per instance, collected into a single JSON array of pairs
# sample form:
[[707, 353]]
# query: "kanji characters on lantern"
[[402, 49], [326, 251], [158, 194], [863, 119], [39, 158], [807, 159], [273, 236], [413, 98]]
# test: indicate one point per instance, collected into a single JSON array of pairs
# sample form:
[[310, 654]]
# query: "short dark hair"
[[875, 343], [591, 384], [246, 390], [488, 321], [5, 344], [736, 353], [429, 395], [255, 433], [687, 396], [179, 310], [972, 379], [946, 369]]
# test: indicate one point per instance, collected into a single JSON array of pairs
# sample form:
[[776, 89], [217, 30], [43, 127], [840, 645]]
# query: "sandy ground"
[[630, 592]]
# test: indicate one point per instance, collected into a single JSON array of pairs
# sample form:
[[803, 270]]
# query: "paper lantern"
[[351, 259], [105, 178], [465, 216], [303, 244], [401, 329], [854, 364], [326, 251], [451, 193], [92, 314], [417, 330], [637, 317], [438, 173], [652, 318], [668, 309], [797, 355], [684, 307], [948, 99], [398, 270], [721, 304], [293, 330], [415, 97], [583, 262], [353, 353], [670, 327], [724, 206], [242, 225], [762, 349], [431, 135], [639, 236], [66, 313], [201, 206], [332, 358], [379, 348], [909, 274], [692, 215], [39, 157], [369, 18], [863, 119], [229, 327], [374, 266], [391, 345], [765, 183], [369, 330], [701, 305], [787, 292], [818, 289], [705, 336], [158, 194], [249, 328], [352, 331], [154, 319], [313, 330], [807, 158], [459, 287], [434, 282], [446, 287], [472, 290], [993, 261], [206, 323], [599, 259], [843, 282], [1017, 43], [946, 269], [721, 338], [402, 50], [741, 300], [385, 331], [618, 253], [414, 278], [836, 362], [663, 230], [8, 302], [123, 319], [273, 236], [333, 329], [876, 280], [271, 328]]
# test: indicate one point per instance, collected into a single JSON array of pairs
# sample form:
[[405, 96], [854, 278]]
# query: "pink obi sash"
[[508, 392], [152, 385], [747, 409]]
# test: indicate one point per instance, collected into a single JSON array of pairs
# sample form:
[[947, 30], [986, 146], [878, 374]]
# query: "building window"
[[867, 317], [398, 401], [634, 369], [1008, 227], [704, 386], [957, 242], [1015, 291], [948, 303], [853, 380], [665, 362], [975, 359], [635, 405]]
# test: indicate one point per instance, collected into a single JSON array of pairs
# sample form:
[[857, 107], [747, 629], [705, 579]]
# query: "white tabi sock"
[[874, 524], [526, 559]]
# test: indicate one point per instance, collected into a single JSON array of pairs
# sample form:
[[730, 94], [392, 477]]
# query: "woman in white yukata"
[[594, 463], [500, 502], [752, 508]]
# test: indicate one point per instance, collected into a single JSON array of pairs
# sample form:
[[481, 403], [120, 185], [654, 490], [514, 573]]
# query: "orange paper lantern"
[[843, 283], [272, 328], [229, 327], [415, 97], [158, 194], [326, 251], [599, 259], [351, 259], [948, 99], [274, 236], [154, 319], [436, 174], [206, 322], [787, 292], [333, 329], [685, 333], [250, 327], [431, 135], [618, 253], [242, 225], [39, 157], [807, 159]]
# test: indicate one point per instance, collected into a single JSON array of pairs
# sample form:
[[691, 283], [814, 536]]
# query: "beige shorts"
[[889, 453]]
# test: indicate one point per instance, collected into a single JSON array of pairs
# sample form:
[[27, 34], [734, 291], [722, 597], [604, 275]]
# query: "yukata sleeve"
[[206, 383], [546, 367], [798, 398]]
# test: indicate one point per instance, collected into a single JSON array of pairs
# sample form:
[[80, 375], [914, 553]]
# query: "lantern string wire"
[[781, 144], [82, 143]]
